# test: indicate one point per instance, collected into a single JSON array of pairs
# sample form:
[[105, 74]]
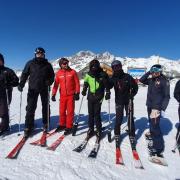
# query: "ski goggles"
[[117, 67], [155, 70]]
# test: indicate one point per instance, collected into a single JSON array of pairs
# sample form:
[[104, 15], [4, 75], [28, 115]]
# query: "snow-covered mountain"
[[82, 58]]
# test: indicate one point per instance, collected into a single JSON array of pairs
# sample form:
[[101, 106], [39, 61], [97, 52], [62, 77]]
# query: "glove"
[[163, 114], [76, 96], [107, 96], [83, 93], [53, 98], [20, 88]]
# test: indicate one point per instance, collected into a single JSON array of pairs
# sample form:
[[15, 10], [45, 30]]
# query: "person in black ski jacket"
[[158, 96], [177, 97], [41, 76], [96, 81], [8, 80], [125, 88]]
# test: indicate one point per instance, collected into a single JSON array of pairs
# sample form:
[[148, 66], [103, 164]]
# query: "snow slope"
[[64, 164]]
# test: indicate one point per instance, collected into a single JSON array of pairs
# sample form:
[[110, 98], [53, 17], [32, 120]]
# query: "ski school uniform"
[[68, 83], [97, 83]]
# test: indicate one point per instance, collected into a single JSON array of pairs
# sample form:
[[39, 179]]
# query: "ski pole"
[[7, 100], [75, 125], [109, 129], [20, 113], [48, 109]]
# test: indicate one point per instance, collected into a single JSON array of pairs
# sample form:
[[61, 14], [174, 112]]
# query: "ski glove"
[[53, 98], [83, 93], [107, 96], [76, 96], [20, 88]]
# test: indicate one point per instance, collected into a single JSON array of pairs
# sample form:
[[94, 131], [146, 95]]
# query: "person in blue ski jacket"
[[158, 96]]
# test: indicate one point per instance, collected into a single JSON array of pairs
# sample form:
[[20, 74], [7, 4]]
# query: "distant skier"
[[125, 88], [158, 96], [41, 76], [177, 97], [8, 80], [96, 81], [69, 88]]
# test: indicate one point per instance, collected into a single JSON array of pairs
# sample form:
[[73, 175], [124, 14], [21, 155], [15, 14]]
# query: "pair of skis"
[[119, 158], [43, 140], [94, 151], [40, 142]]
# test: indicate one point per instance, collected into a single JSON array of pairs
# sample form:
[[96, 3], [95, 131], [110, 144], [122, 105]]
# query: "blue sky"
[[134, 28]]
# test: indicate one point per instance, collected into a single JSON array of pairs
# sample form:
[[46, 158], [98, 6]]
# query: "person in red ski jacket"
[[69, 88]]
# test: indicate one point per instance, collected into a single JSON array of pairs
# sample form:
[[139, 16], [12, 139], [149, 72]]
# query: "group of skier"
[[97, 85]]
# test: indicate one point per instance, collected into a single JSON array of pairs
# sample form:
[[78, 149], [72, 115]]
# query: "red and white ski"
[[119, 159], [56, 143], [42, 140], [13, 154]]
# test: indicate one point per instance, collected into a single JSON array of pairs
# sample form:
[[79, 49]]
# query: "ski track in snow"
[[34, 162]]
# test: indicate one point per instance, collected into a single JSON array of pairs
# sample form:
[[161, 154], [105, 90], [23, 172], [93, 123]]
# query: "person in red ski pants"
[[69, 87]]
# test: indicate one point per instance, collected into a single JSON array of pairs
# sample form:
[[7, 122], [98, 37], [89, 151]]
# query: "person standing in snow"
[[41, 76], [96, 82], [158, 96], [125, 88], [69, 88], [177, 97], [8, 80]]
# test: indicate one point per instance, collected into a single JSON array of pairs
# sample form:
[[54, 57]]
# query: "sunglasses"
[[65, 63]]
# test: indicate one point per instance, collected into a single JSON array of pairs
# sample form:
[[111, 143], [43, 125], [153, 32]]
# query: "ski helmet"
[[156, 68], [63, 61], [39, 50], [1, 58], [116, 65], [94, 64]]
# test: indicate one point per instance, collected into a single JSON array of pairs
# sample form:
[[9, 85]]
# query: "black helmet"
[[63, 60], [156, 68], [115, 63], [94, 62], [1, 58], [39, 50]]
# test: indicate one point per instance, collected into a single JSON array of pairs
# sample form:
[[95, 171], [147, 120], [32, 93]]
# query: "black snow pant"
[[32, 98], [4, 112], [178, 129], [119, 118], [94, 110], [155, 131]]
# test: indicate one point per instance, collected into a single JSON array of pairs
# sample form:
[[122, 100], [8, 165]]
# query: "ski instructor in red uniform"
[[69, 87]]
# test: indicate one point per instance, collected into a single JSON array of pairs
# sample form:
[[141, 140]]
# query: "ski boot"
[[67, 131], [98, 135], [90, 133], [133, 142], [60, 128]]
